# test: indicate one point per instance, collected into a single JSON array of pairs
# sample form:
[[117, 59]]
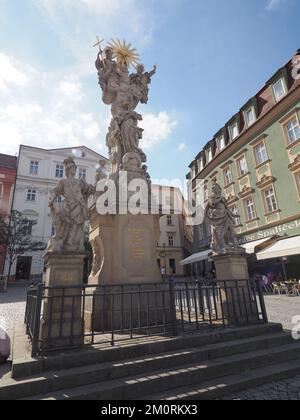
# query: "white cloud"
[[10, 73], [182, 147], [157, 129], [41, 110], [106, 18], [273, 4], [72, 88]]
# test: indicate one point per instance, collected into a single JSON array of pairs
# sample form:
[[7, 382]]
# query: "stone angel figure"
[[69, 210], [123, 91], [221, 219]]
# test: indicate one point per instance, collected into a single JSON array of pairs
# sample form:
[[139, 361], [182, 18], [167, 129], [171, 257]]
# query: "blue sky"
[[212, 56]]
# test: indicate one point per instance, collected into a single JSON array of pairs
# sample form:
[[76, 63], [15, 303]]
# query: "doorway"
[[23, 269]]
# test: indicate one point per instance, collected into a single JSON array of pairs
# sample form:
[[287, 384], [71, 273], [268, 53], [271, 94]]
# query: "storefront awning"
[[283, 248], [250, 247], [199, 256]]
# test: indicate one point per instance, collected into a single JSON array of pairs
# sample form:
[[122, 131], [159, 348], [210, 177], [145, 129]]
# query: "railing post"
[[262, 302], [173, 306], [37, 320]]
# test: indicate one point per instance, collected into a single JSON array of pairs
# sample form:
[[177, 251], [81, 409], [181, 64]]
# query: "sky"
[[211, 55]]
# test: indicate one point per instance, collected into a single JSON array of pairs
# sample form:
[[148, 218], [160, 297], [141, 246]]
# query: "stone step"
[[57, 380], [231, 384], [138, 386], [26, 367]]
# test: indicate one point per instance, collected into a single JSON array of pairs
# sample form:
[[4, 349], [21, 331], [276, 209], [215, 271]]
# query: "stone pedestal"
[[62, 317], [238, 301], [124, 248]]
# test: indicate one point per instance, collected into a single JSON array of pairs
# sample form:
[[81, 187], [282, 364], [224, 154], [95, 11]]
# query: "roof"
[[8, 161], [262, 104], [65, 148]]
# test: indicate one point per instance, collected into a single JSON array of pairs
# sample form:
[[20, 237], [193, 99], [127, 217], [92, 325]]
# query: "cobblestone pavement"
[[280, 309], [287, 390], [12, 308]]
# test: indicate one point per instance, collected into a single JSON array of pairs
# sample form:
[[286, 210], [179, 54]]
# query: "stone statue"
[[71, 213], [123, 91], [221, 219]]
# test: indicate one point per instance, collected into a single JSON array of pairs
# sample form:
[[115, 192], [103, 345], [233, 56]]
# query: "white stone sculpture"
[[123, 91], [221, 219], [69, 210]]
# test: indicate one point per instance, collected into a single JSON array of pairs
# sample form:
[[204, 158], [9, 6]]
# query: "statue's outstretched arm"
[[56, 192]]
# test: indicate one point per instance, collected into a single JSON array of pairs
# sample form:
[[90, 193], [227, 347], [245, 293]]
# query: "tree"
[[15, 237]]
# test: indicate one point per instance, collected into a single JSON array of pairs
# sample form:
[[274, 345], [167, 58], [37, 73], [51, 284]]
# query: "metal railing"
[[106, 314]]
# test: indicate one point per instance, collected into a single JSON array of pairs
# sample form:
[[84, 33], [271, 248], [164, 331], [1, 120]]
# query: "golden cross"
[[98, 43]]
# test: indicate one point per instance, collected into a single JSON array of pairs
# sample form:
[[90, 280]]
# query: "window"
[[52, 230], [270, 200], [228, 179], [1, 191], [31, 195], [242, 166], [261, 154], [250, 116], [34, 167], [237, 220], [209, 155], [28, 228], [221, 143], [59, 171], [193, 172], [293, 130], [171, 239], [279, 89], [234, 131], [250, 209], [169, 220], [82, 173], [200, 165]]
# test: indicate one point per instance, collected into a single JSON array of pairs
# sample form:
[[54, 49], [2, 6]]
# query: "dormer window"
[[234, 131], [200, 165], [209, 155], [279, 89], [250, 116], [193, 172], [221, 143]]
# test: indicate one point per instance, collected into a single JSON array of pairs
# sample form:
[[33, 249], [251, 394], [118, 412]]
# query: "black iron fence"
[[66, 317]]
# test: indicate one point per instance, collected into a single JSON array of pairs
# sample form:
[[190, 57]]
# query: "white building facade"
[[39, 171]]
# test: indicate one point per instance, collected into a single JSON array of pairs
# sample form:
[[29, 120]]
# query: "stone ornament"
[[71, 213], [123, 92], [221, 220]]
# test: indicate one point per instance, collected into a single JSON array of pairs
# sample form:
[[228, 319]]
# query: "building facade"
[[39, 171], [8, 173], [175, 236], [255, 158]]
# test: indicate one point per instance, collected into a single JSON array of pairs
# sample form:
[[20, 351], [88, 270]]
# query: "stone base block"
[[62, 317], [238, 298]]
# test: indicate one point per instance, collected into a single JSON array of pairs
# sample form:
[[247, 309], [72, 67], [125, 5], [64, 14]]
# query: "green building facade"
[[255, 158]]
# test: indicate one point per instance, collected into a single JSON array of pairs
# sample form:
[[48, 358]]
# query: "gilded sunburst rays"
[[125, 54]]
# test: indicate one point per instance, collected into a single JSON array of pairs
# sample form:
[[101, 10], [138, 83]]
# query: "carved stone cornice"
[[265, 181], [296, 164], [246, 191], [232, 199]]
